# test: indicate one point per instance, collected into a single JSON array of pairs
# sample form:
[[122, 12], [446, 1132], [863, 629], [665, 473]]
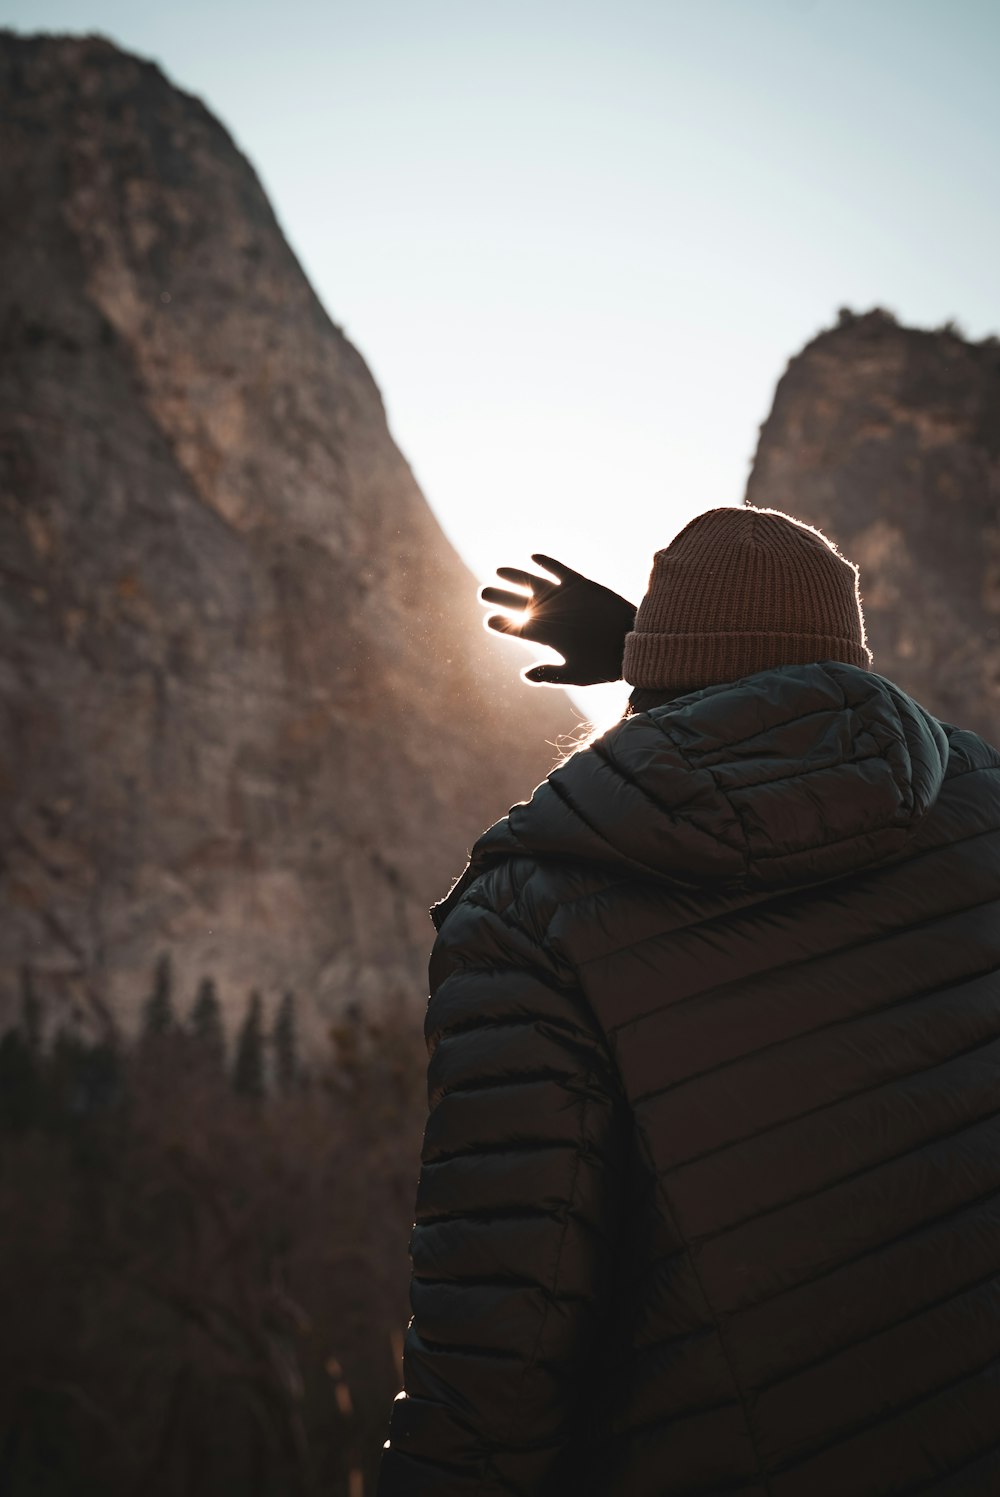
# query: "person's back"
[[710, 1199]]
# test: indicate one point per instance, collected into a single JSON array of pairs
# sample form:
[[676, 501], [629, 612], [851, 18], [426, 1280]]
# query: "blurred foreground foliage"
[[203, 1266]]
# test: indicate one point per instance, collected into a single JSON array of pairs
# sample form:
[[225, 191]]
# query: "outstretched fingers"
[[527, 627], [557, 568], [521, 578], [500, 599], [502, 623]]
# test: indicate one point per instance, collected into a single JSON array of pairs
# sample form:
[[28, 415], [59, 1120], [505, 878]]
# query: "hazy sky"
[[577, 242]]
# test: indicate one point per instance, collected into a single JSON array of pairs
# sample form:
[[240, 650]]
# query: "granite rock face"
[[248, 713], [888, 438]]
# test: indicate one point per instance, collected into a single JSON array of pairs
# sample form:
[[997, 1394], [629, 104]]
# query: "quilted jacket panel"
[[710, 1195]]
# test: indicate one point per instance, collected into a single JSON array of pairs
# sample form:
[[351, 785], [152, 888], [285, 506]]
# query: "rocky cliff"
[[889, 438], [249, 714]]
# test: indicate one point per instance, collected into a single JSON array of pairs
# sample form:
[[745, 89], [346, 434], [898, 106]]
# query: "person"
[[710, 1188]]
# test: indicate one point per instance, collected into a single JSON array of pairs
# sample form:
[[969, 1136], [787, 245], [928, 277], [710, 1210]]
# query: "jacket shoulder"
[[512, 894], [496, 958], [968, 803], [968, 752]]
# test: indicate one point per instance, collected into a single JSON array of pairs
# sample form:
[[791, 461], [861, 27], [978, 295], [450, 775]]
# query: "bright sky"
[[577, 242]]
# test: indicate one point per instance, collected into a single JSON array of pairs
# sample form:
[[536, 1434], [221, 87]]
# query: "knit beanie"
[[740, 590]]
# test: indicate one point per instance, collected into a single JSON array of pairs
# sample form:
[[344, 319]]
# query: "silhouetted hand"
[[585, 622]]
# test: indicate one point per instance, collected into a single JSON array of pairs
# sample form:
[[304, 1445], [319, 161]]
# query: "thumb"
[[502, 623], [546, 675]]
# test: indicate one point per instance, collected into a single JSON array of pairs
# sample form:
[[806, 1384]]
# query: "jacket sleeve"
[[516, 1213]]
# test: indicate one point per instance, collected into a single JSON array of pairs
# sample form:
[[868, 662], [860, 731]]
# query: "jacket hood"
[[793, 775]]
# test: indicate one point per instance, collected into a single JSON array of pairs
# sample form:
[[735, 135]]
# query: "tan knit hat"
[[740, 590]]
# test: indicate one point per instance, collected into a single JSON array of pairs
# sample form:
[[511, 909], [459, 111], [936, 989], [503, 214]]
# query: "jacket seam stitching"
[[927, 1224], [688, 1411], [886, 1418], [798, 961], [893, 1325], [928, 1483], [555, 1280], [724, 887], [772, 728], [807, 1034], [704, 1238], [563, 795], [672, 813], [751, 900], [716, 1321], [798, 774]]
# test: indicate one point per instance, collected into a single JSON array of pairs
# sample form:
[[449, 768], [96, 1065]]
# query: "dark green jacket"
[[710, 1197]]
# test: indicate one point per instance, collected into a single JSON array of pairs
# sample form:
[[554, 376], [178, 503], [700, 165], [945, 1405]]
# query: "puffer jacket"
[[710, 1191]]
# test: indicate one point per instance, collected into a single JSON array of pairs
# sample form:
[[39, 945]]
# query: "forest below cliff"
[[203, 1261]]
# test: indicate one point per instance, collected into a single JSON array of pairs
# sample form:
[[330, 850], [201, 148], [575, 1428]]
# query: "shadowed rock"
[[249, 714], [889, 439]]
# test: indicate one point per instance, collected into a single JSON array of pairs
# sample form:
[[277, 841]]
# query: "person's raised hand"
[[585, 622]]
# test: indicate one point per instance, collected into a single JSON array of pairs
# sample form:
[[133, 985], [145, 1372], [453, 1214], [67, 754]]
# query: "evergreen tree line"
[[204, 1025], [263, 1060], [203, 1265]]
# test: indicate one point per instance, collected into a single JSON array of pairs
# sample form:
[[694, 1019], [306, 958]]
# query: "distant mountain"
[[249, 715], [890, 438]]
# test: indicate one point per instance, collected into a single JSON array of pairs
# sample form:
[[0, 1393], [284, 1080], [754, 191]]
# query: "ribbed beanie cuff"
[[741, 590]]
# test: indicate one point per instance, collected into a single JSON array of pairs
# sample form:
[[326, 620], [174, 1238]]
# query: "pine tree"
[[206, 1024], [31, 1012], [19, 1082], [248, 1071], [285, 1041], [158, 1014]]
